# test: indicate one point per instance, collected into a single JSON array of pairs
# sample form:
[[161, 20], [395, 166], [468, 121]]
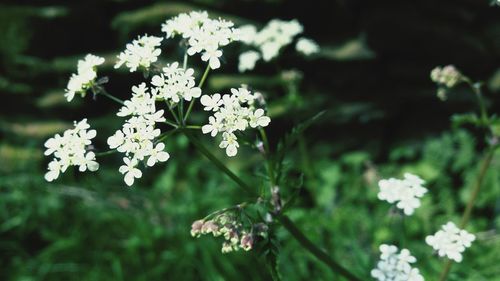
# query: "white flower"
[[247, 60], [70, 150], [212, 55], [306, 46], [447, 76], [142, 52], [80, 82], [450, 241], [158, 155], [230, 143], [395, 267], [247, 33], [130, 171], [137, 136], [405, 193], [175, 84], [204, 35], [211, 103], [257, 119], [232, 113]]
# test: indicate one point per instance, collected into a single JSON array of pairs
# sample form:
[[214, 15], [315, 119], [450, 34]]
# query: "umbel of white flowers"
[[70, 150], [137, 137], [203, 35], [394, 266], [233, 112], [450, 241], [86, 74], [270, 40], [406, 193]]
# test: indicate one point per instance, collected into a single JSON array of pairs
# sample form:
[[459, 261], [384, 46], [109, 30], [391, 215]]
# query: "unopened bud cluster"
[[235, 235]]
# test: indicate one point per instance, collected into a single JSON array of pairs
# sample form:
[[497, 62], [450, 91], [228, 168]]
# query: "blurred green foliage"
[[382, 120]]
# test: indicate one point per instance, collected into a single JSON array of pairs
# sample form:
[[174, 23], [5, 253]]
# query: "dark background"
[[382, 118]]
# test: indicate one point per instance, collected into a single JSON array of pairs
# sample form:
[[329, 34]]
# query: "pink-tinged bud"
[[246, 242], [196, 228], [209, 227]]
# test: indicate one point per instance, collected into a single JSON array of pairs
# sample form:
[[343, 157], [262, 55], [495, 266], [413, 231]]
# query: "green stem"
[[103, 92], [270, 168], [191, 104], [204, 77], [284, 220], [164, 136], [171, 123], [172, 112], [104, 153], [470, 204], [219, 164], [313, 249], [476, 88]]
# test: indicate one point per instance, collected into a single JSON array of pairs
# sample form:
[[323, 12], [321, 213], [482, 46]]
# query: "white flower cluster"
[[69, 150], [270, 40], [175, 84], [394, 266], [233, 112], [81, 81], [406, 192], [450, 241], [447, 76], [306, 46], [141, 53], [203, 35], [136, 138]]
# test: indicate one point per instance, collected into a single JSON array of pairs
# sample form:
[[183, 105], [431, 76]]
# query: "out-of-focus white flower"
[[447, 76], [81, 81], [306, 46], [175, 84], [270, 40], [450, 241], [70, 150], [137, 136], [232, 113], [141, 53], [406, 192], [394, 266], [204, 35], [247, 60]]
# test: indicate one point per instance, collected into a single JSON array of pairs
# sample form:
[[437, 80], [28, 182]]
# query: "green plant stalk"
[[191, 104], [470, 204], [100, 90], [270, 168], [284, 220]]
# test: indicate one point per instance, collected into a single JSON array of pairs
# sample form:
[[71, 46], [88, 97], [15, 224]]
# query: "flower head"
[[203, 34], [141, 53], [70, 150], [406, 193], [175, 84], [136, 138], [450, 241], [81, 81], [232, 113], [306, 46], [394, 266]]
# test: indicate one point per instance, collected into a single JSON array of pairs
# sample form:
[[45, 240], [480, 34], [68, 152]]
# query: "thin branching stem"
[[470, 204], [100, 90], [283, 219], [104, 153], [191, 104], [270, 165]]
